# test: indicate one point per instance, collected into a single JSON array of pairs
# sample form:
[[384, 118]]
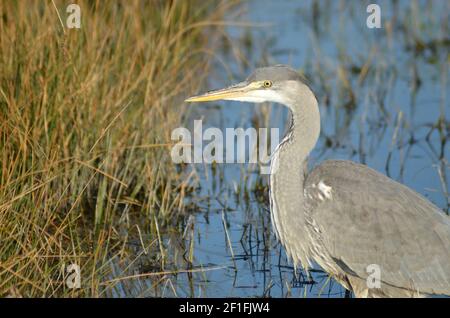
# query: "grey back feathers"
[[368, 220]]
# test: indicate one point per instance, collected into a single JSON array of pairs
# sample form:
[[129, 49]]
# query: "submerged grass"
[[85, 122]]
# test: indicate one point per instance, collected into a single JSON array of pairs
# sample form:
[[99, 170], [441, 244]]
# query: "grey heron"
[[348, 218]]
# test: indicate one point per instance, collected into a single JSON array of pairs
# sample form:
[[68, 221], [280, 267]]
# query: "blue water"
[[376, 129]]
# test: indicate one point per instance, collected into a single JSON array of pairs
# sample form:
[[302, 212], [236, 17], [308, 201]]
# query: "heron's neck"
[[301, 138], [289, 171]]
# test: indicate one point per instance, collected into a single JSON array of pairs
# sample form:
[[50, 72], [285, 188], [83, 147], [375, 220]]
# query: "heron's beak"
[[232, 92]]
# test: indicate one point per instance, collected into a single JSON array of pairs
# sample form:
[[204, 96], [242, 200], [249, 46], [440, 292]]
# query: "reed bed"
[[85, 122]]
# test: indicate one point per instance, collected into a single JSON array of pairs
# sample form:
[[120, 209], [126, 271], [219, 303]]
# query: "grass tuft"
[[85, 122]]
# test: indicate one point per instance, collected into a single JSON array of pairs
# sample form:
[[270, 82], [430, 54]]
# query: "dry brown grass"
[[85, 123]]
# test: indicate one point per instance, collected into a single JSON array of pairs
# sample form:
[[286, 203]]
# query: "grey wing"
[[365, 218]]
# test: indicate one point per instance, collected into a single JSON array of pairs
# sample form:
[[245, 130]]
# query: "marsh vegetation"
[[85, 122]]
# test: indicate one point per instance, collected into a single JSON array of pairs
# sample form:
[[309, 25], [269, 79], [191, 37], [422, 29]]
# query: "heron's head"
[[266, 84]]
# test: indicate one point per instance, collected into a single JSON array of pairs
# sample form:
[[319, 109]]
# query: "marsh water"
[[383, 101]]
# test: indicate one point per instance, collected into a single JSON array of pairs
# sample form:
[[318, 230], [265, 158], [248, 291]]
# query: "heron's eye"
[[267, 84]]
